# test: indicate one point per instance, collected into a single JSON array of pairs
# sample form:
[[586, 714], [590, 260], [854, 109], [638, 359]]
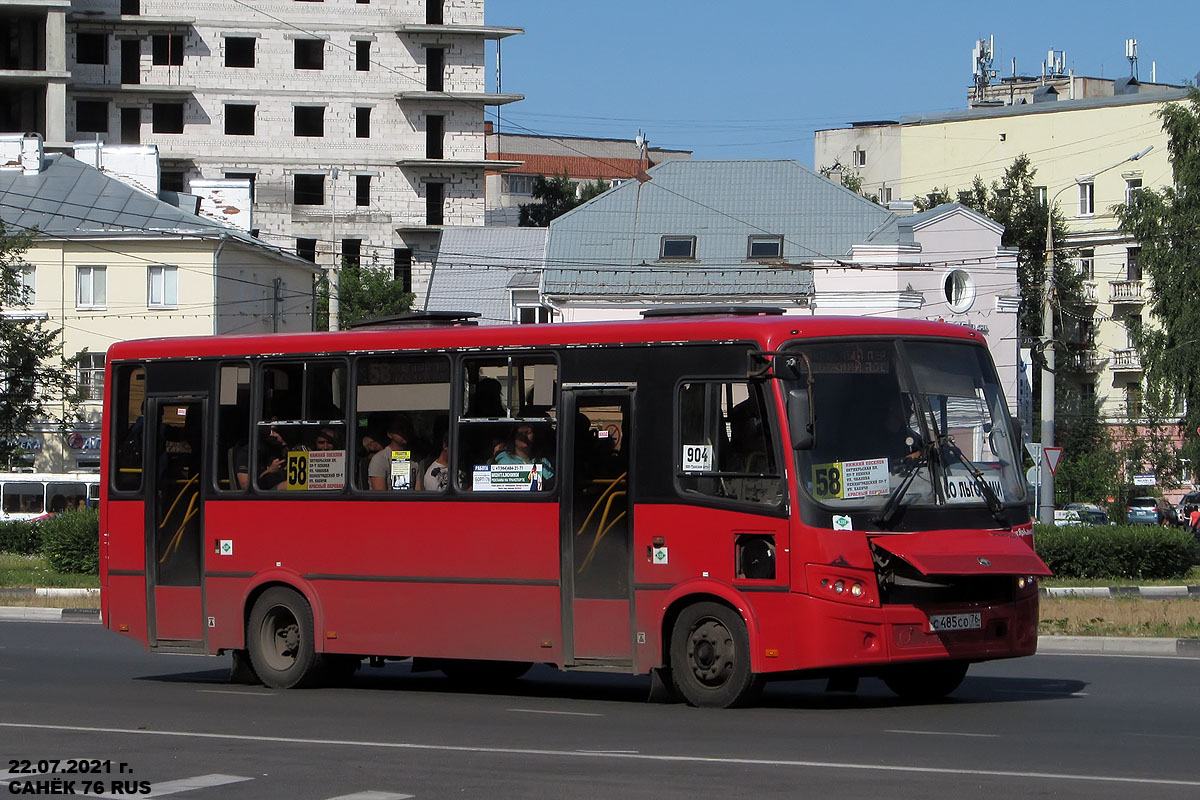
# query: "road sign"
[[1035, 451], [1053, 455]]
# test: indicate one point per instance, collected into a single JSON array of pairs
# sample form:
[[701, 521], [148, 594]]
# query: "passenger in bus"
[[272, 458], [487, 400], [58, 504], [326, 439], [520, 450], [437, 474], [387, 471]]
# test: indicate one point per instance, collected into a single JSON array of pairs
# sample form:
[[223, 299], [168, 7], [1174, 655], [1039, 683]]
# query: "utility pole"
[[1046, 495], [333, 266]]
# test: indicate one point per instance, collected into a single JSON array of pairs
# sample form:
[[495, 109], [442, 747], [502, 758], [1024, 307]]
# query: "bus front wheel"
[[710, 657], [925, 682], [280, 639]]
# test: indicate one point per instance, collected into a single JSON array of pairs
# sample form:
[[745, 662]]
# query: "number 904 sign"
[[697, 458]]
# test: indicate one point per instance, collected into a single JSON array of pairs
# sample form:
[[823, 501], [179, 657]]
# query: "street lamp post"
[[1046, 500]]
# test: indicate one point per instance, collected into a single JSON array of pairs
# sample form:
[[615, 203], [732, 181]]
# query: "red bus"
[[715, 499]]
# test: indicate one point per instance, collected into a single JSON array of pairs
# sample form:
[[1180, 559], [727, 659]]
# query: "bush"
[[23, 537], [1116, 551], [71, 541]]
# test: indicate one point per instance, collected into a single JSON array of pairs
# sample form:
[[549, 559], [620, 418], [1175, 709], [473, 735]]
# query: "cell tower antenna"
[[981, 67], [1131, 54]]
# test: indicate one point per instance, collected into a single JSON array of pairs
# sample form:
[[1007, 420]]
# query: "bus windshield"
[[910, 422]]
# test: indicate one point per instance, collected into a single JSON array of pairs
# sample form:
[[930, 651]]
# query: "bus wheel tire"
[[927, 681], [485, 673], [710, 657], [279, 636]]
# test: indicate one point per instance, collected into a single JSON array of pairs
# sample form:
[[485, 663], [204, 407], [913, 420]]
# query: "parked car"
[[1150, 511], [1088, 513], [1189, 499]]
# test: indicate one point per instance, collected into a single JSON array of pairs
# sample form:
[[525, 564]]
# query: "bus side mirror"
[[800, 419]]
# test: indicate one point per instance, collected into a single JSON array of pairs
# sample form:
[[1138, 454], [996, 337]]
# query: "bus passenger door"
[[175, 523], [597, 526]]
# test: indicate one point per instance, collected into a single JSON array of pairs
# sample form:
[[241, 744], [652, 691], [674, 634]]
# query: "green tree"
[[36, 382], [1166, 225], [365, 291], [556, 196], [1014, 202], [849, 180]]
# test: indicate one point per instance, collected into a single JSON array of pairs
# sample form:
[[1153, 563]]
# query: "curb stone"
[[1114, 645], [1120, 591], [49, 614]]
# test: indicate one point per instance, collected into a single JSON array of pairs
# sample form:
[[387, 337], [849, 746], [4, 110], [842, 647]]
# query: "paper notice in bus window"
[[864, 478], [849, 480], [697, 458], [506, 478], [326, 469], [401, 474]]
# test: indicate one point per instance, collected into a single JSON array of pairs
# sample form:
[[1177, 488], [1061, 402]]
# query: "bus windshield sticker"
[[225, 547], [327, 469], [697, 458], [842, 522], [962, 488], [507, 478], [848, 480], [401, 475]]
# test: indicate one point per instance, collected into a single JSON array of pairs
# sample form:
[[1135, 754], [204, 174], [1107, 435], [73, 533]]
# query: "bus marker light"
[[547, 643], [123, 628], [839, 587], [330, 634], [772, 652]]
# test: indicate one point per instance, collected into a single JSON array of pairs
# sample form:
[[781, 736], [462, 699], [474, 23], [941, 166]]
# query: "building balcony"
[[1126, 292], [173, 90], [458, 163], [490, 32], [32, 77], [1126, 360], [1091, 295], [482, 98], [1088, 360], [107, 20]]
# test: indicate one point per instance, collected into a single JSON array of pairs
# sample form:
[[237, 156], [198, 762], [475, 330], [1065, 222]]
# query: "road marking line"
[[559, 713], [649, 757], [946, 733], [241, 694], [372, 795], [1041, 691], [187, 784]]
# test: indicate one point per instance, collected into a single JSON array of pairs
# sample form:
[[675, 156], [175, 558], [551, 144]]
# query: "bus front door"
[[175, 524], [597, 527]]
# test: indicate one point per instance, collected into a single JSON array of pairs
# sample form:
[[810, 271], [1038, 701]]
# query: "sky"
[[755, 79]]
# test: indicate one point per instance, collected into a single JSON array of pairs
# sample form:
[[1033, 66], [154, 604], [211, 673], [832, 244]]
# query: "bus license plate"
[[956, 622]]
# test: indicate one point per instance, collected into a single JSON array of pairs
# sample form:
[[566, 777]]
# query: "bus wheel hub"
[[710, 652]]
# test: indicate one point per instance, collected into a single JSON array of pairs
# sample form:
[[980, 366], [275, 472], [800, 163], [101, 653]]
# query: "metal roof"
[[71, 199], [611, 244], [475, 267]]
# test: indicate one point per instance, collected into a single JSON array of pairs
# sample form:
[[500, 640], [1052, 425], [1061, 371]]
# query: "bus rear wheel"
[[279, 637], [710, 657], [927, 681]]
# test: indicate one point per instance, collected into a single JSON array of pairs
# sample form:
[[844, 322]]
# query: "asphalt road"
[[1062, 726]]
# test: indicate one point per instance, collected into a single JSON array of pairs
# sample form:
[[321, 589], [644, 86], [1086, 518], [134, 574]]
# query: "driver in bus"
[[900, 441]]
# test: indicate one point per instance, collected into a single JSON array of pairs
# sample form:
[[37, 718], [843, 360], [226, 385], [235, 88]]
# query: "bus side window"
[[300, 434], [725, 447], [129, 405], [402, 408], [233, 428], [507, 428]]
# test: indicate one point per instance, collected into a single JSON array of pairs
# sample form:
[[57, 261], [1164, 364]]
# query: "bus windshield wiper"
[[989, 495], [893, 502]]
